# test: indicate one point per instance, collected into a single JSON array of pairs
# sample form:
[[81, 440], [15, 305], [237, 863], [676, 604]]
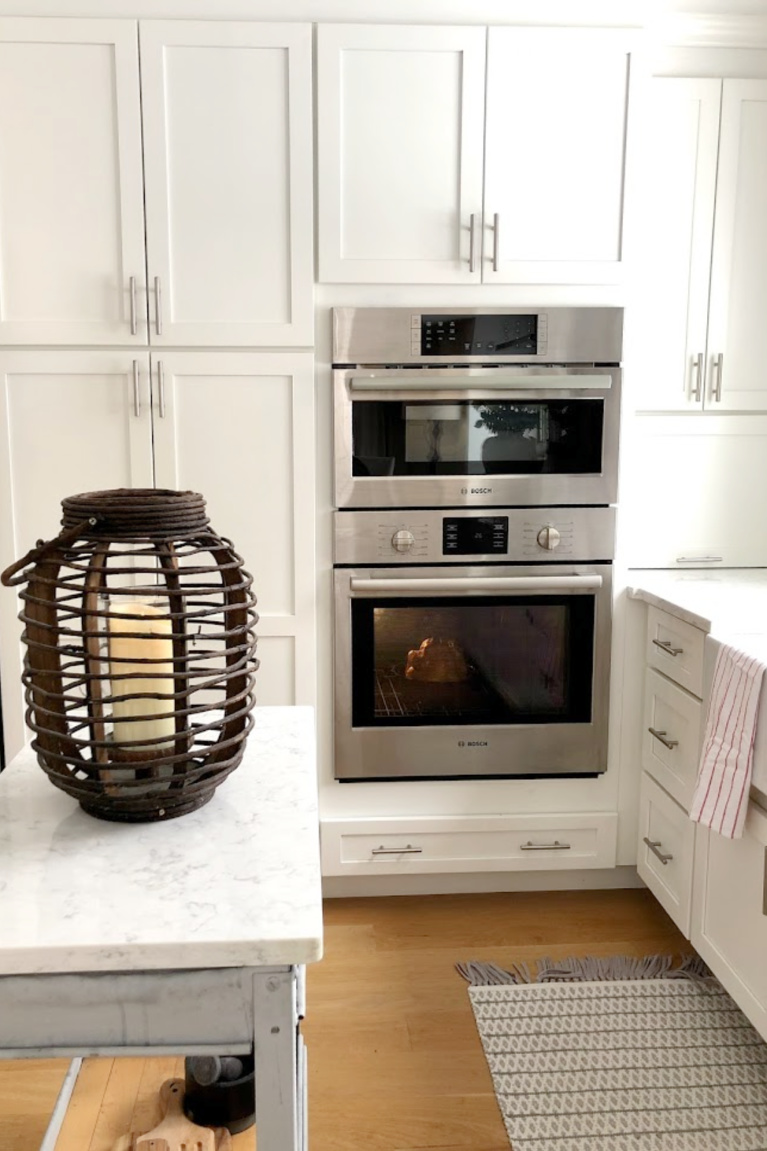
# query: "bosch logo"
[[476, 491], [472, 743]]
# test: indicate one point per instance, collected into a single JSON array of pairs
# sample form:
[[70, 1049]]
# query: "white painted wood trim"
[[332, 41], [296, 39]]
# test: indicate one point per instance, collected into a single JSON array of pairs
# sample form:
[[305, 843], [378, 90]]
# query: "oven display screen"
[[477, 535], [496, 336]]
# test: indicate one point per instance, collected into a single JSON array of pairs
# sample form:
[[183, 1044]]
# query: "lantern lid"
[[131, 513]]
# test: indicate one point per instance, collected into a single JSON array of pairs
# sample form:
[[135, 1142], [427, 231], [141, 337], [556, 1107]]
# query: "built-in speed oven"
[[472, 643]]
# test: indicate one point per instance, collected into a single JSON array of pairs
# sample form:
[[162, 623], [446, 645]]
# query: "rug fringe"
[[581, 969], [488, 974]]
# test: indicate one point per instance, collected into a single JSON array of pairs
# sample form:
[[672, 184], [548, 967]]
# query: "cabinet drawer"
[[666, 867], [730, 929], [671, 717], [513, 843], [675, 648]]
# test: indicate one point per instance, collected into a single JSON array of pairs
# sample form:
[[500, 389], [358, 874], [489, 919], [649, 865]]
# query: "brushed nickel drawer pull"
[[555, 846], [662, 736], [667, 646], [697, 372], [409, 850], [654, 844]]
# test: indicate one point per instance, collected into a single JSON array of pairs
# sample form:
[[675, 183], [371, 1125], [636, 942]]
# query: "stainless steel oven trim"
[[444, 752], [477, 490]]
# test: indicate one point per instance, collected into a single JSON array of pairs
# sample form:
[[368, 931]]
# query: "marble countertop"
[[730, 604], [234, 884]]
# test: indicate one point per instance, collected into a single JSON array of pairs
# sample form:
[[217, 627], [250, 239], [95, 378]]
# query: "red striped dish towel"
[[720, 800]]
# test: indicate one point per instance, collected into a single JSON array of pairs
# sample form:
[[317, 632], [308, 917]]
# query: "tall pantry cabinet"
[[155, 186]]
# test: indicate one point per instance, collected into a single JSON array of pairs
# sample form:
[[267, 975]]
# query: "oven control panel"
[[522, 535], [496, 336]]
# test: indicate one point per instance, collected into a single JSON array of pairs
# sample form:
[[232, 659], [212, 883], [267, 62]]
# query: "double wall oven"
[[476, 472]]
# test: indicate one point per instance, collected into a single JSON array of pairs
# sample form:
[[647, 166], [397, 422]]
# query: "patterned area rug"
[[643, 1063]]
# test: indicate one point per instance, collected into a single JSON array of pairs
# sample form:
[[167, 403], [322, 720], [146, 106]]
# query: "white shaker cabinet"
[[226, 115], [238, 427], [443, 162], [72, 266], [705, 247], [400, 126]]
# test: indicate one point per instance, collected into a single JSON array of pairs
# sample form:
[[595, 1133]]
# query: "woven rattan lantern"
[[140, 653]]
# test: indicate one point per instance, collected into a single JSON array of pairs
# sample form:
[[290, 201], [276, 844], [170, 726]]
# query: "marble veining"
[[728, 603], [236, 883]]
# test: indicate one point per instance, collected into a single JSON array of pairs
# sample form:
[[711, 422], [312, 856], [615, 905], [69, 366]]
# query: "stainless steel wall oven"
[[472, 635]]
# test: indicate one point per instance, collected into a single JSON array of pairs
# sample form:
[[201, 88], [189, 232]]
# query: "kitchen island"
[[188, 936]]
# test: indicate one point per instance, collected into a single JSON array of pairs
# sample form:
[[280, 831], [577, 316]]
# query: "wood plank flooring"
[[395, 1062]]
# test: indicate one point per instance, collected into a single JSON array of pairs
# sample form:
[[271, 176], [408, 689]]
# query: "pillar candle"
[[146, 638]]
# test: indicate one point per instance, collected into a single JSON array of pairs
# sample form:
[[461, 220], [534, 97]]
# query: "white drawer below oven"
[[442, 844]]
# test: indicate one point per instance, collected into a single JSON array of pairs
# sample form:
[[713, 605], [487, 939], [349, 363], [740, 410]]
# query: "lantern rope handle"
[[43, 548]]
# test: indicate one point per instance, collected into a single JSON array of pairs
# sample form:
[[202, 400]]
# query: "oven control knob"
[[549, 538], [402, 541]]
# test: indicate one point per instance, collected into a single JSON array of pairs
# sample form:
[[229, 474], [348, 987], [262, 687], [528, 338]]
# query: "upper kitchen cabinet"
[[226, 115], [704, 247], [443, 162], [400, 126], [227, 119], [72, 264]]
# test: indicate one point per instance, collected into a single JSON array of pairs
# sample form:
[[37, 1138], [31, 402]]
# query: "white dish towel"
[[720, 800]]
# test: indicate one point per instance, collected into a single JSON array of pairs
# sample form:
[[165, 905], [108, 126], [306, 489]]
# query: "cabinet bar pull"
[[161, 387], [496, 241], [555, 846], [697, 375], [716, 386], [136, 391], [473, 242], [662, 737], [158, 305], [133, 316], [654, 844], [396, 850], [699, 559], [667, 646]]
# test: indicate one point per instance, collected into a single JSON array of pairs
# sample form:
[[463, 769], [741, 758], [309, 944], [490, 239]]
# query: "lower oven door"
[[450, 672]]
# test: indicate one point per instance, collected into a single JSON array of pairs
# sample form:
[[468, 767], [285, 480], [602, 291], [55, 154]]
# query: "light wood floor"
[[395, 1063]]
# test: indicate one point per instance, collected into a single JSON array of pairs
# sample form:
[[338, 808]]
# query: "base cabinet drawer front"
[[524, 843], [729, 916], [671, 734], [676, 649], [666, 849]]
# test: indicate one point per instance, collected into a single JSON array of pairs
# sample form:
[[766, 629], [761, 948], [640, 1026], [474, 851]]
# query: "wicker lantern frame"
[[116, 547]]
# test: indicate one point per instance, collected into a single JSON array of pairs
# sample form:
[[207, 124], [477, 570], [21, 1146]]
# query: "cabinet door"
[[555, 155], [70, 422], [677, 209], [238, 427], [228, 158], [736, 376], [400, 116], [71, 190]]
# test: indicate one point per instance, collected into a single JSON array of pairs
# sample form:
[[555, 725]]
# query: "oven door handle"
[[482, 585], [503, 382]]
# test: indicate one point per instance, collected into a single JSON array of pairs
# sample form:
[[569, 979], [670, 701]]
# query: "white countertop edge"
[[655, 599]]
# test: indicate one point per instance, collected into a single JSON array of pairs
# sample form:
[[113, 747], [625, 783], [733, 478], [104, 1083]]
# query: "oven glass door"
[[477, 438], [495, 660]]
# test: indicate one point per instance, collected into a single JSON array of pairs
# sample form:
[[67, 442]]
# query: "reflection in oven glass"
[[473, 663]]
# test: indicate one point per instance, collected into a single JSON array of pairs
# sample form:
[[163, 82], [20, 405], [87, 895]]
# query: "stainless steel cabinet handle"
[[662, 736], [667, 646], [654, 844], [158, 305], [161, 388], [136, 391], [133, 316], [555, 846], [473, 242], [496, 241], [397, 850], [716, 372], [697, 374], [699, 559]]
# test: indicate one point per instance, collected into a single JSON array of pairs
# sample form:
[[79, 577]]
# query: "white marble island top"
[[728, 603], [235, 884]]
